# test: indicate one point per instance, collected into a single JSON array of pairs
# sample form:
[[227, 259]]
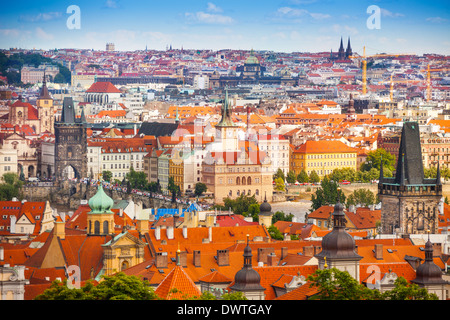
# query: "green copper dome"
[[101, 202], [252, 59]]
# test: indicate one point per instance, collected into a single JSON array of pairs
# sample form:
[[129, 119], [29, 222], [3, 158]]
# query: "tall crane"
[[364, 64], [429, 71], [391, 82]]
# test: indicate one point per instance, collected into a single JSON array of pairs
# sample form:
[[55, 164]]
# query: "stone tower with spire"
[[409, 202], [44, 104], [226, 130], [348, 51], [70, 142], [341, 51]]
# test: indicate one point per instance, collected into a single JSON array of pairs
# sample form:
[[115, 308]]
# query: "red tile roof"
[[103, 87], [177, 285]]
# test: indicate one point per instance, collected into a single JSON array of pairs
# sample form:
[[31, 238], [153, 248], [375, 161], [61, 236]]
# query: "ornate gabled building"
[[39, 117], [409, 202], [70, 143], [232, 167]]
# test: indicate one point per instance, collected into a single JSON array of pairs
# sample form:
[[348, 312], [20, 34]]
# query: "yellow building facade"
[[323, 157]]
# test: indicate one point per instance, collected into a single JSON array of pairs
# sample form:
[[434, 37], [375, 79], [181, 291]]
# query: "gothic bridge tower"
[[409, 202], [70, 143]]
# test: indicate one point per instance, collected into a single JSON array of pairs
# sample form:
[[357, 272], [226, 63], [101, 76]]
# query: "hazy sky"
[[279, 25]]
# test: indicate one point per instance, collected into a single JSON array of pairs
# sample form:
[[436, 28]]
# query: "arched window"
[[97, 227], [257, 192], [105, 227], [243, 181], [249, 181], [125, 265], [249, 192], [238, 193], [238, 180]]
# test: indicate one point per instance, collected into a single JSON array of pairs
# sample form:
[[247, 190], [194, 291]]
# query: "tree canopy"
[[333, 284], [10, 186], [328, 194]]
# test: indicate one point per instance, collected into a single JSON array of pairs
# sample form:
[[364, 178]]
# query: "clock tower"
[[45, 109]]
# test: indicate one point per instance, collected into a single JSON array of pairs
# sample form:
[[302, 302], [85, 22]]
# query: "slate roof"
[[157, 129]]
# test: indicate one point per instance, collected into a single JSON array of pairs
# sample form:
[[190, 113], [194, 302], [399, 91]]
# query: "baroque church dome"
[[101, 202], [338, 244]]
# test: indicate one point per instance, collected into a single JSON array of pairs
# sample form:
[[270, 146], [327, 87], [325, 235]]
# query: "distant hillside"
[[10, 67]]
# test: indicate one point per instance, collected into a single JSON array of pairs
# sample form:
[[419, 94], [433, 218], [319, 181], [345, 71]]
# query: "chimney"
[[379, 251], [272, 259], [182, 255], [169, 232], [263, 253], [59, 230], [197, 260], [308, 251], [158, 233], [185, 235], [223, 258], [284, 252], [12, 228], [2, 254], [210, 234], [142, 222], [161, 260]]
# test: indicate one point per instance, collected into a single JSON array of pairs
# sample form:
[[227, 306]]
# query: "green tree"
[[275, 233], [10, 187], [291, 177], [59, 78], [404, 290], [279, 174], [138, 179], [253, 211], [430, 173], [303, 177], [279, 184], [107, 175], [314, 177], [373, 160], [200, 188], [281, 216], [333, 284], [362, 197], [240, 205], [237, 295], [116, 287], [173, 188], [328, 194]]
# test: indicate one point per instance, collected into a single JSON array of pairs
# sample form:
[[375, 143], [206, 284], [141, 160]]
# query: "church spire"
[[226, 120], [438, 175], [348, 52], [44, 90]]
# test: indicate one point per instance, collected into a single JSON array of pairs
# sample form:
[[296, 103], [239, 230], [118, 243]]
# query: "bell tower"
[[44, 104], [100, 219], [226, 129]]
